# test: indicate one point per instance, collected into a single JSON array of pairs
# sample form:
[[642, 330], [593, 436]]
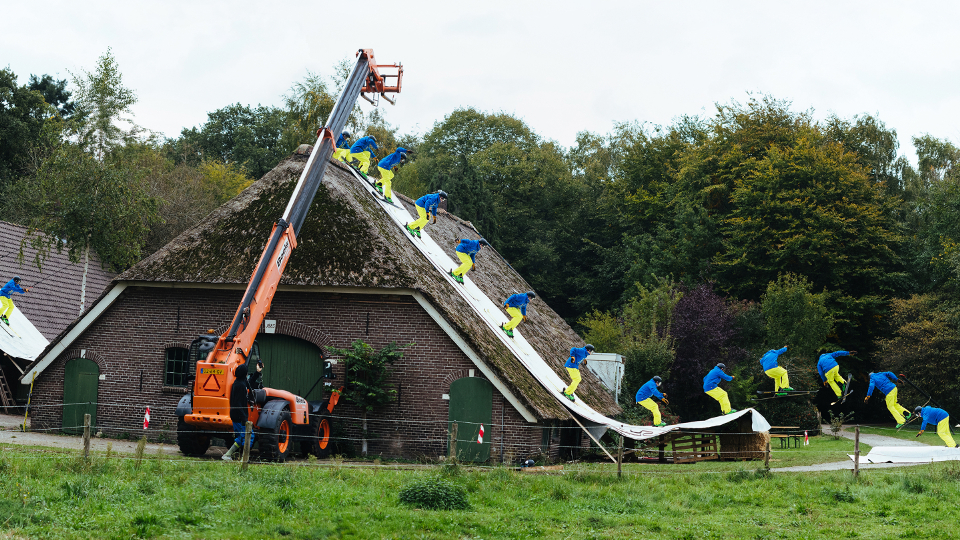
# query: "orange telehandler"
[[281, 418]]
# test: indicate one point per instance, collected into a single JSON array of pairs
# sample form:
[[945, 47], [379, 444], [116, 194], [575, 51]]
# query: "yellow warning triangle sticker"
[[216, 383]]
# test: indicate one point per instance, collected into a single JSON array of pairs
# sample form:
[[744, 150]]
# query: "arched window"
[[177, 367]]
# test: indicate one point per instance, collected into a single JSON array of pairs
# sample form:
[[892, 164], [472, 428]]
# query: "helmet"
[[721, 366], [588, 347], [16, 279], [442, 193], [483, 242], [657, 379], [918, 410], [346, 134], [531, 294]]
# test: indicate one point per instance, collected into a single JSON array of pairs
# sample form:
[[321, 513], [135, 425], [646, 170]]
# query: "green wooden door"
[[291, 364], [80, 380], [471, 405]]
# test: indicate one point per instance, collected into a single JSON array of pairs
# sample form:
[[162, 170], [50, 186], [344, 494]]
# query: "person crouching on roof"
[[467, 253], [239, 414], [428, 204], [386, 166], [711, 386], [6, 303], [343, 147], [578, 355], [516, 306], [645, 398], [361, 151]]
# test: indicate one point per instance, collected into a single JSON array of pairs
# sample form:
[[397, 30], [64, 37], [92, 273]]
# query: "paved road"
[[872, 440]]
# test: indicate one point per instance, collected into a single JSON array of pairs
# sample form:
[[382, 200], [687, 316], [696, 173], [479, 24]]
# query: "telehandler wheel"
[[319, 441], [192, 441], [277, 444]]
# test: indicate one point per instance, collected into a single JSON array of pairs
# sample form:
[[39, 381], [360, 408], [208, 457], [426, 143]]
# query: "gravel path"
[[11, 434], [872, 440]]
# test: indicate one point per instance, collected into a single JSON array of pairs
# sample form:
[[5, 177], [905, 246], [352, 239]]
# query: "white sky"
[[561, 66]]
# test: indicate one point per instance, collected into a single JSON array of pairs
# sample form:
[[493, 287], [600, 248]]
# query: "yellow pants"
[[385, 179], [652, 406], [833, 377], [341, 154], [720, 395], [363, 158], [574, 381], [6, 306], [465, 267], [943, 430], [419, 223], [779, 376], [895, 408], [517, 317]]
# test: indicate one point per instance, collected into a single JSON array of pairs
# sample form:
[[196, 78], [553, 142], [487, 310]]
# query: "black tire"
[[319, 441], [277, 444], [191, 440]]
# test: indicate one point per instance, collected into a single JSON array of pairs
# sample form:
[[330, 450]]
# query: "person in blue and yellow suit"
[[774, 371], [467, 253], [885, 381], [516, 306], [385, 166], [427, 204], [933, 415], [645, 396], [711, 386], [578, 355], [343, 147], [361, 151], [6, 303], [829, 370]]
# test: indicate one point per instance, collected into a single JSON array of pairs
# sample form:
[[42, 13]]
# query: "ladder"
[[6, 396]]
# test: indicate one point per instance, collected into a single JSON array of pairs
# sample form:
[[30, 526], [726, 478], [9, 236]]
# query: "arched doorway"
[[291, 364], [81, 378], [471, 404]]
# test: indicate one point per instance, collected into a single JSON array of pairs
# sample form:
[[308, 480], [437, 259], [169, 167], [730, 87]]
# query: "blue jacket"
[[932, 415], [577, 354], [883, 381], [519, 300], [712, 380], [363, 144], [649, 389], [11, 287], [392, 160], [769, 360], [429, 202], [827, 362], [342, 141], [470, 247]]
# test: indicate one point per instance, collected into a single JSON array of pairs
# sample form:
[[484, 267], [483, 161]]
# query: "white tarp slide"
[[491, 313], [909, 454], [21, 339]]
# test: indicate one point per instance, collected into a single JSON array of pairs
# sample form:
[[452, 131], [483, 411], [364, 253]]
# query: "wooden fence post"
[[86, 436], [453, 441], [766, 457], [620, 459], [246, 445], [856, 453]]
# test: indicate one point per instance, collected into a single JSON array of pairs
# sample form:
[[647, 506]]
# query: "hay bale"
[[743, 446]]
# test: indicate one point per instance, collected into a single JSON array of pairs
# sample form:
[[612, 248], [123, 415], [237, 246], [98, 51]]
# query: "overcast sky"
[[563, 67]]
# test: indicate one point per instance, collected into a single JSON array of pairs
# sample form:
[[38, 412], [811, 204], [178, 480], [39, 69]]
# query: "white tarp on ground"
[[909, 454], [21, 339], [494, 316]]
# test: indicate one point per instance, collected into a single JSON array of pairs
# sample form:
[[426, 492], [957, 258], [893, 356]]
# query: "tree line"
[[710, 239]]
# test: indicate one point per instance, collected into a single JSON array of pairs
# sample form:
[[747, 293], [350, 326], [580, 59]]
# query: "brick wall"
[[128, 343]]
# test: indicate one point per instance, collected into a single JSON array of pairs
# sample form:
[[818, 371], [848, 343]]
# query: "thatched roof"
[[349, 241]]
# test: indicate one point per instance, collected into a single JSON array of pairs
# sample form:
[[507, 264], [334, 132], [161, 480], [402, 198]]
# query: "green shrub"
[[435, 494]]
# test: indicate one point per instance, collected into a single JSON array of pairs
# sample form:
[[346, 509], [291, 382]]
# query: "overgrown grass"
[[58, 495]]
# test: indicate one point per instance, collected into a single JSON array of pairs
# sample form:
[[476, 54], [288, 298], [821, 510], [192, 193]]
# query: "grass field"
[[909, 433], [55, 494]]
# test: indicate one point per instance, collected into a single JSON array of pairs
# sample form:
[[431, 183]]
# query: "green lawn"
[[909, 432], [54, 494]]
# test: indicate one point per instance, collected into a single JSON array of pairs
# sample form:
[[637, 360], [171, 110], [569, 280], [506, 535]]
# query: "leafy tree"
[[55, 93], [367, 375], [309, 104], [101, 105], [22, 116]]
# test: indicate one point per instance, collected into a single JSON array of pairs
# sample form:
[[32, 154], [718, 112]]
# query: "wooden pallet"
[[694, 447]]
